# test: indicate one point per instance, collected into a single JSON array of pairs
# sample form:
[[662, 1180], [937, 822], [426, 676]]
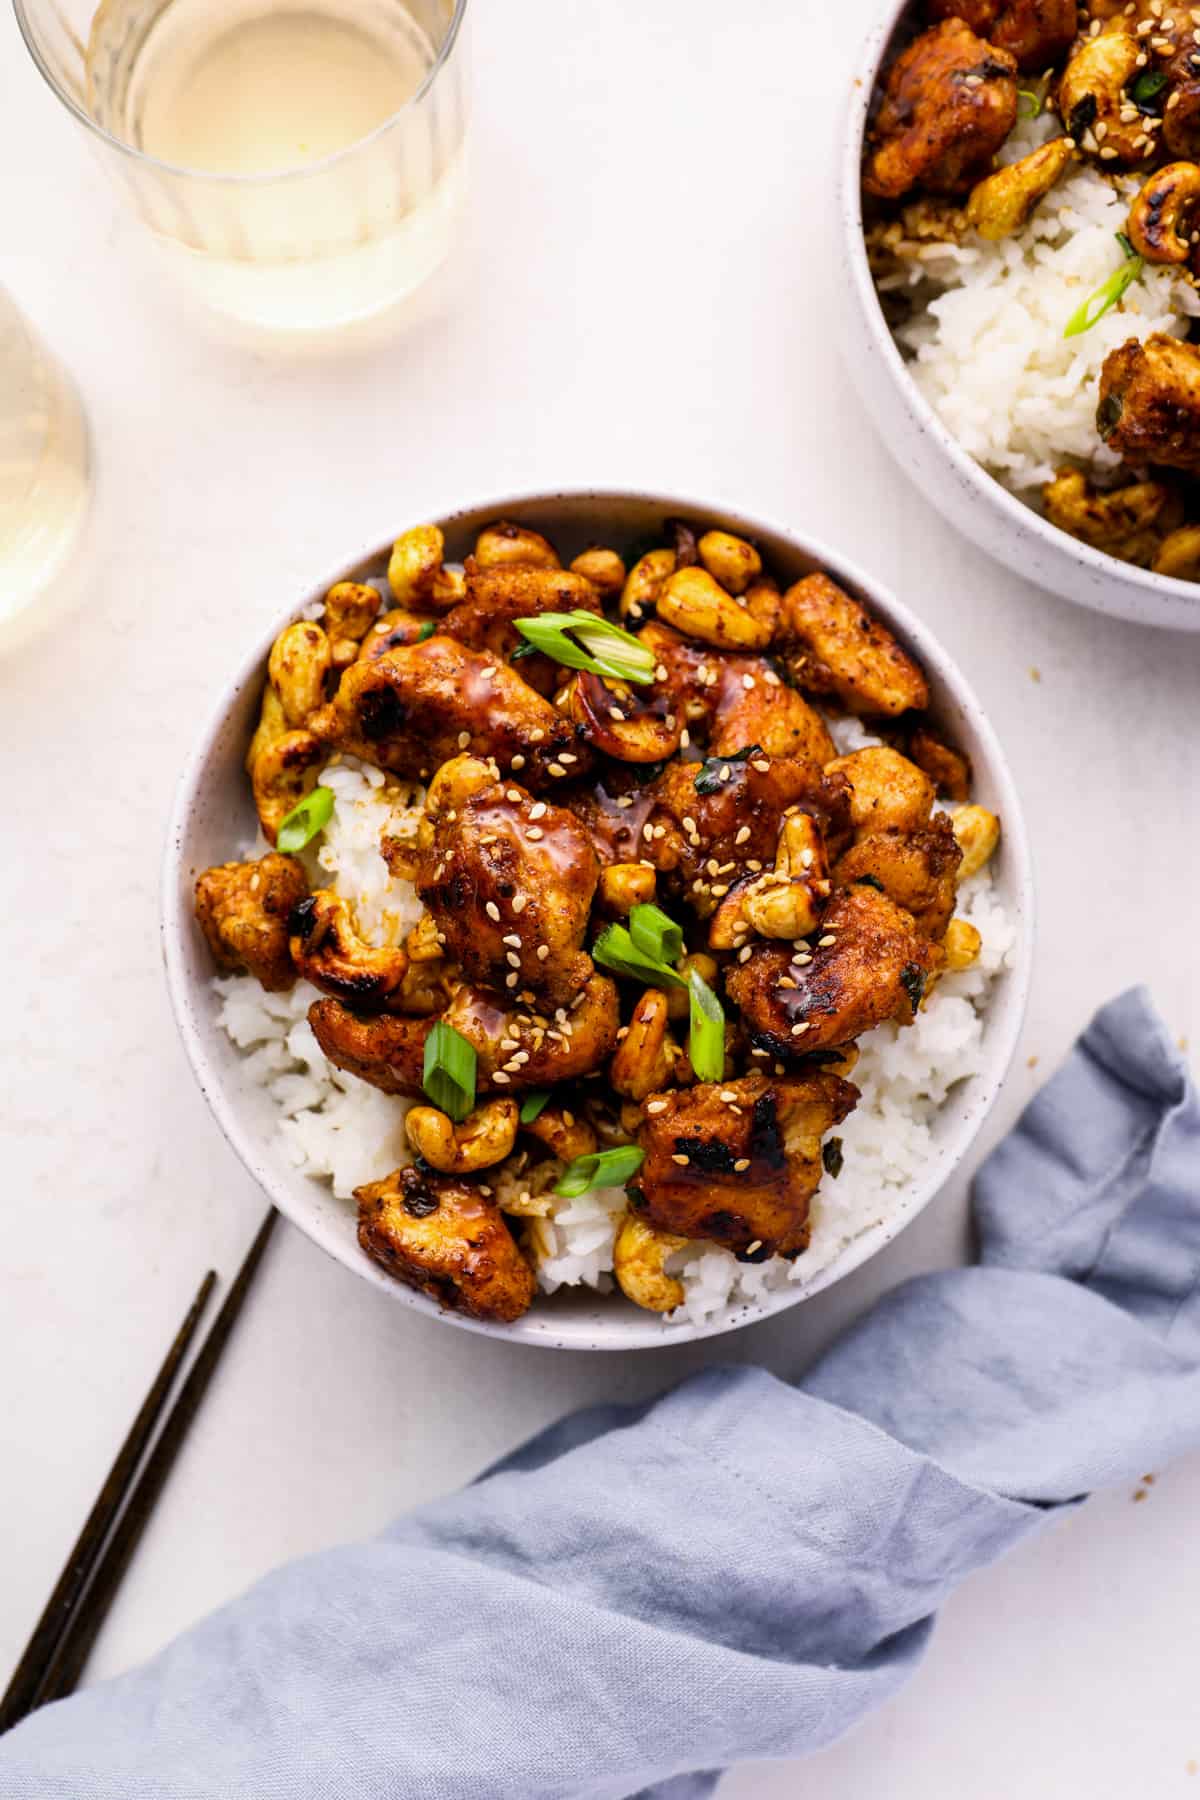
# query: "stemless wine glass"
[[299, 162], [44, 471]]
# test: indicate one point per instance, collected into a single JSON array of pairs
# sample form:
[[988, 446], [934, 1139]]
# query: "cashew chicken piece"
[[565, 1133], [351, 608], [1001, 203], [328, 951], [283, 773], [644, 583], [730, 560], [978, 833], [623, 723], [639, 1264], [784, 903], [485, 1137], [1160, 219], [1127, 521], [695, 604]]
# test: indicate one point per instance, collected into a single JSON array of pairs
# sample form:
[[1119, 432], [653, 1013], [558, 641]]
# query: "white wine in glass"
[[44, 471]]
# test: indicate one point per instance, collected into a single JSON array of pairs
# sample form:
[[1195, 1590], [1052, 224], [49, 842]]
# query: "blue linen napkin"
[[640, 1597]]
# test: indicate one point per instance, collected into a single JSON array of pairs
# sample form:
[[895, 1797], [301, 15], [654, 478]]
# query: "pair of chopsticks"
[[54, 1658]]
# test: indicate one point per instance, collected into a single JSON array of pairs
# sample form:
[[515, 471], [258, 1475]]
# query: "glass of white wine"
[[299, 162], [45, 480]]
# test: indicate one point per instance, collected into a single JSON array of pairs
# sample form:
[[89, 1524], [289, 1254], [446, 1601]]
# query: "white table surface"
[[642, 298]]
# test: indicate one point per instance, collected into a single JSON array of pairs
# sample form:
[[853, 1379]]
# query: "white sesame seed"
[[762, 765], [751, 1248], [726, 1095], [501, 1077], [556, 768], [743, 834], [514, 940], [519, 902], [800, 1029], [518, 762], [742, 1163], [492, 911], [744, 955], [464, 738], [823, 943], [512, 979], [624, 799], [660, 673], [681, 1160], [538, 809], [656, 1106], [535, 832], [512, 959], [487, 674], [543, 951], [537, 734]]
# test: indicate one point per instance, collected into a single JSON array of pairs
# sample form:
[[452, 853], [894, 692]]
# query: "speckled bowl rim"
[[1158, 600], [609, 1323]]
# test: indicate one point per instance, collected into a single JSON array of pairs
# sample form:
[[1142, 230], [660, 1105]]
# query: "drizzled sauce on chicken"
[[811, 895]]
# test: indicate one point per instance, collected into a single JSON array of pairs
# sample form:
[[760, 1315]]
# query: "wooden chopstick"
[[18, 1696], [66, 1663]]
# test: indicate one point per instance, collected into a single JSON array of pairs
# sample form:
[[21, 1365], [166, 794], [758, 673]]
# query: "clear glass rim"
[[216, 176]]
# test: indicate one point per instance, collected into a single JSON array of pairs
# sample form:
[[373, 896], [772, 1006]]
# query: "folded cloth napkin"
[[638, 1598]]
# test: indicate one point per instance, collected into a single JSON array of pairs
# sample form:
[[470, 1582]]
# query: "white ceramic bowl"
[[970, 498], [214, 813]]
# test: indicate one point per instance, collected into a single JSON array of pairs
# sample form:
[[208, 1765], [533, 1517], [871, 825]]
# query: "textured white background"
[[642, 298]]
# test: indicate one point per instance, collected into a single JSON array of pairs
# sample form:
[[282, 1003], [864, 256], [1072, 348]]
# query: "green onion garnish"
[[655, 935], [602, 1168], [534, 1104], [427, 630], [1148, 87], [711, 773], [305, 820], [1029, 105], [602, 648], [706, 1045], [1108, 293], [615, 949], [449, 1074]]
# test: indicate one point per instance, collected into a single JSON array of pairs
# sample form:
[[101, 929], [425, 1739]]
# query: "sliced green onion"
[[1148, 87], [655, 935], [602, 1168], [427, 630], [1108, 293], [534, 1104], [449, 1074], [711, 773], [615, 949], [602, 648], [1029, 105], [706, 1045], [304, 821]]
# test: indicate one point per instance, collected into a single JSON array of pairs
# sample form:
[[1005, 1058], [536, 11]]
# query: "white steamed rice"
[[986, 331], [339, 1129]]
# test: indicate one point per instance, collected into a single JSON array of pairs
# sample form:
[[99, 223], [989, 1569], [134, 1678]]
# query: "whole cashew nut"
[[1001, 203], [272, 725], [1159, 219], [783, 903], [730, 560], [1091, 96], [644, 583], [416, 572], [501, 545], [1180, 554], [351, 608], [603, 568], [639, 1255], [646, 1056], [620, 722], [299, 662], [284, 771], [962, 944], [699, 607], [626, 885], [978, 832], [565, 1134], [328, 951], [485, 1137]]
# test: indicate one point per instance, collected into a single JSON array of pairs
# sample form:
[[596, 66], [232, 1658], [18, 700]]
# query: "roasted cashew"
[[424, 941], [284, 771], [416, 572], [565, 1134], [1160, 217], [978, 832], [644, 583], [351, 608], [1001, 203], [1180, 554], [621, 722], [485, 1137], [639, 1258], [603, 568], [699, 607], [626, 885], [527, 1193], [730, 560], [328, 951], [299, 662], [783, 903], [1091, 96], [455, 782], [272, 725], [646, 1056], [501, 545], [962, 944], [764, 602]]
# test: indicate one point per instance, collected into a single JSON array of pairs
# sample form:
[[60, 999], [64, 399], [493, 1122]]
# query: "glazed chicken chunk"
[[446, 1237], [244, 908], [1149, 409], [917, 869], [949, 101], [424, 703], [1036, 32], [738, 1161], [498, 595], [509, 881], [834, 646], [869, 963]]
